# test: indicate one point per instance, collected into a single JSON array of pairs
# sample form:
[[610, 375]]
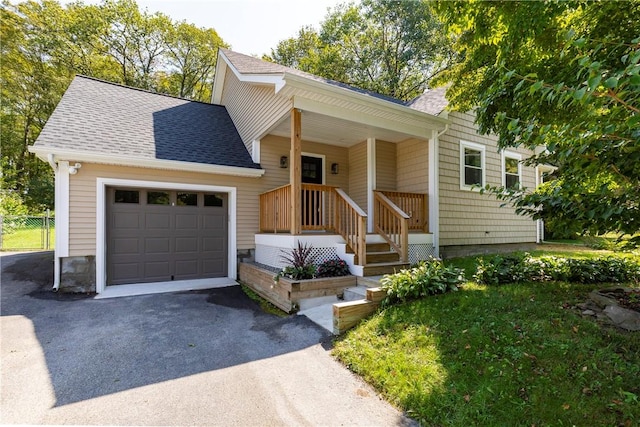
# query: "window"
[[511, 169], [157, 198], [214, 200], [187, 199], [472, 166], [127, 196]]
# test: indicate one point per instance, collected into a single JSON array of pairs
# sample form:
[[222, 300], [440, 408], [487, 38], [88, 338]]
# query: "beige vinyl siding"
[[358, 174], [468, 217], [385, 166], [82, 200], [412, 166], [274, 147], [254, 109]]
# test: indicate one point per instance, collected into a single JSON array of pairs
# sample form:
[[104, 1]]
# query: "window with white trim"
[[511, 169], [472, 166]]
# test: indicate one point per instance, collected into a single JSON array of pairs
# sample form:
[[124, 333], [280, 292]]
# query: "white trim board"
[[101, 226], [164, 287]]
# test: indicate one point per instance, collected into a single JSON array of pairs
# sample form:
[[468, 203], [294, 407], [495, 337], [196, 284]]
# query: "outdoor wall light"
[[334, 168], [284, 162], [74, 169]]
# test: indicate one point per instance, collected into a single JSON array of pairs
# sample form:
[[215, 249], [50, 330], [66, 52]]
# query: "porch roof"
[[333, 112]]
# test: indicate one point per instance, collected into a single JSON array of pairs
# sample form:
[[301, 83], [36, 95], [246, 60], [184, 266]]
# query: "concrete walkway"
[[192, 358]]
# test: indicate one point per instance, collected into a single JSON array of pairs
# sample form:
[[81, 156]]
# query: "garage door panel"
[[126, 246], [214, 222], [186, 245], [124, 272], [213, 244], [149, 242], [187, 221], [157, 245], [157, 220], [126, 221], [215, 267], [187, 268], [159, 270]]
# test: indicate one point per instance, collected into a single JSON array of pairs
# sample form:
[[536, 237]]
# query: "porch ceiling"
[[335, 131]]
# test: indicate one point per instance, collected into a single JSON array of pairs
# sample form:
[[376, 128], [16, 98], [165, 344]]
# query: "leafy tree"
[[387, 46], [562, 78], [192, 53], [44, 44]]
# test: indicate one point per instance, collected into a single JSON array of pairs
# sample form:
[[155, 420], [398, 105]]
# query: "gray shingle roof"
[[246, 64], [106, 118], [432, 101]]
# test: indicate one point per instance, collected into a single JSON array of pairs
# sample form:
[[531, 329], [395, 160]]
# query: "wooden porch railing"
[[351, 225], [415, 205], [275, 210], [392, 224], [318, 208]]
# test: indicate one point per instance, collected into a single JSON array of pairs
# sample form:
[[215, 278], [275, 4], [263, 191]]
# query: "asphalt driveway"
[[192, 358]]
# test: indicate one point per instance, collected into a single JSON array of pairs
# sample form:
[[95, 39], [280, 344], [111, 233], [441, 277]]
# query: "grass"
[[505, 355], [27, 238], [265, 305]]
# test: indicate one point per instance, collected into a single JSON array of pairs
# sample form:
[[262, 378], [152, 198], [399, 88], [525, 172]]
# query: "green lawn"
[[26, 238], [499, 355]]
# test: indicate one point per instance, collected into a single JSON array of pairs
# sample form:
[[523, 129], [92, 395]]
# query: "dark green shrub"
[[499, 270], [333, 268], [427, 278]]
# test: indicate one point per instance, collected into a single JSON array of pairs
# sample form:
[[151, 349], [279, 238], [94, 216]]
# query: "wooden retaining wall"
[[287, 293], [347, 314]]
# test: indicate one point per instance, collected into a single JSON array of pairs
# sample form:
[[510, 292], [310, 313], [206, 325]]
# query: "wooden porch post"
[[295, 172]]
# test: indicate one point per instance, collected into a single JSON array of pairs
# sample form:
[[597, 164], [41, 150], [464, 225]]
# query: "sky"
[[252, 27]]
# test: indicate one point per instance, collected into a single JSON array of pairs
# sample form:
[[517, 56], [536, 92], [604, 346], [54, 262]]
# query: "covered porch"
[[372, 200]]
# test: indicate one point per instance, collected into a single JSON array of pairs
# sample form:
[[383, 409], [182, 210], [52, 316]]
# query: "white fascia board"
[[433, 122], [218, 82], [110, 159], [418, 130]]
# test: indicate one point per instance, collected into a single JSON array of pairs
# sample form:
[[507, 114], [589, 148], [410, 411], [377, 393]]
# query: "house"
[[165, 193]]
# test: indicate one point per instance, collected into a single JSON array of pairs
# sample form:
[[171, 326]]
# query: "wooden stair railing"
[[350, 223], [415, 205], [392, 224]]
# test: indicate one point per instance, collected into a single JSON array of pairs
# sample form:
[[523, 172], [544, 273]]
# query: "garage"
[[156, 235]]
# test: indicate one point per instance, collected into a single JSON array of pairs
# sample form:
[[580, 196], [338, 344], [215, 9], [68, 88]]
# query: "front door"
[[312, 173]]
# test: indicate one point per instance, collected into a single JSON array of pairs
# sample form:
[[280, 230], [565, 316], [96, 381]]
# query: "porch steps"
[[354, 293], [381, 260]]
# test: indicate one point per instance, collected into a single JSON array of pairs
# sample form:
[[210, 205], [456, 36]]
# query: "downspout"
[[434, 188], [51, 158]]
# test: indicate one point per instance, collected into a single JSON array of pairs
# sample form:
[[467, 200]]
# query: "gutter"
[[145, 163], [51, 158]]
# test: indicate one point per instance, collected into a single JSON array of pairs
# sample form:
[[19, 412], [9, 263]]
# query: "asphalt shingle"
[[432, 101], [107, 118], [250, 65]]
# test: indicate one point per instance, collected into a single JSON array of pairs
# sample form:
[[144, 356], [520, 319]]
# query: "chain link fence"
[[27, 232]]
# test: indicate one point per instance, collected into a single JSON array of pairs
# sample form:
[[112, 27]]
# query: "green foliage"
[[301, 262], [563, 76], [45, 44], [427, 278], [389, 47], [11, 203], [518, 268], [499, 356], [333, 268]]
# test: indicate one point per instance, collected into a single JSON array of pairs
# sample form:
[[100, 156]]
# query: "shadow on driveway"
[[94, 347]]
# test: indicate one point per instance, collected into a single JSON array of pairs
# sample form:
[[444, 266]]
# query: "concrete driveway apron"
[[193, 358]]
